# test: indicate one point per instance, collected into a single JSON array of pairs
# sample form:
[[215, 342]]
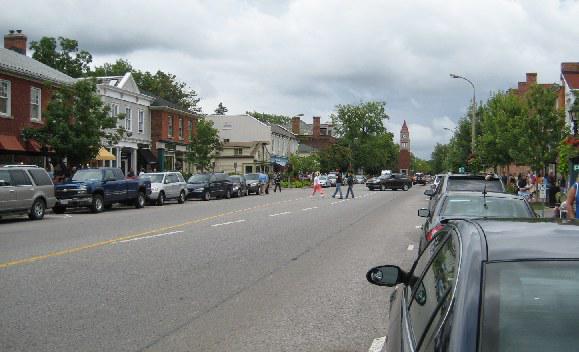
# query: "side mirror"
[[424, 212], [429, 192], [386, 275]]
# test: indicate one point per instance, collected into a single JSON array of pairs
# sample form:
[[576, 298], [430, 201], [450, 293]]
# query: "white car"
[[166, 185], [324, 181]]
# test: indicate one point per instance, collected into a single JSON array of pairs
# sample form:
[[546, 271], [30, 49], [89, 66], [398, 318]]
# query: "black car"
[[472, 205], [207, 186], [419, 178], [487, 286], [389, 181], [239, 185]]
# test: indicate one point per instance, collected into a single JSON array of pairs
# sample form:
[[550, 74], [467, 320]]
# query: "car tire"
[[227, 194], [58, 209], [161, 199], [140, 201], [405, 188], [37, 210], [207, 196], [181, 198], [97, 204]]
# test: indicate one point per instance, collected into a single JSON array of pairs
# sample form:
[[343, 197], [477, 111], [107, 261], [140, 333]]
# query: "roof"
[[13, 62], [572, 79], [281, 130], [404, 126], [166, 104], [480, 194], [531, 239]]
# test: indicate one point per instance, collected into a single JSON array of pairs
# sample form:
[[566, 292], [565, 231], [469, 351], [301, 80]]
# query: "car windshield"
[[332, 176], [198, 179], [252, 177], [323, 178], [474, 184], [154, 178], [478, 206], [235, 178], [87, 175], [518, 296]]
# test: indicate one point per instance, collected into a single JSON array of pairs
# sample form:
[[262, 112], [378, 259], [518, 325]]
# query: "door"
[[7, 192], [172, 187], [24, 188], [213, 185]]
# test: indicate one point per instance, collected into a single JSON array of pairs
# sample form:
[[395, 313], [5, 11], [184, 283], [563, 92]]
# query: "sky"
[[307, 56]]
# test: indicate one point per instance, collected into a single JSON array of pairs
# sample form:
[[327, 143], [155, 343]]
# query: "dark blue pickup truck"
[[99, 189]]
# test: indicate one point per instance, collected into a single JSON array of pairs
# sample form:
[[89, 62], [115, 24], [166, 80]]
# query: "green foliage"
[[62, 54], [270, 118], [304, 164], [77, 124], [438, 158], [335, 157], [296, 184], [566, 152], [205, 144], [459, 146], [221, 109], [419, 165], [353, 122]]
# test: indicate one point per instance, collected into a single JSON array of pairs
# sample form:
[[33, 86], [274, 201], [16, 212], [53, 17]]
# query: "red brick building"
[[172, 129], [531, 79], [26, 87], [317, 136], [404, 158]]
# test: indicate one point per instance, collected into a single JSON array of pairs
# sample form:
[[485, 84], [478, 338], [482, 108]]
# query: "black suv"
[[389, 181], [207, 186]]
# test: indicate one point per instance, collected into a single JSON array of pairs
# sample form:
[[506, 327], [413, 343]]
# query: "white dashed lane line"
[[227, 223], [410, 247], [306, 209], [278, 214], [153, 236], [377, 344]]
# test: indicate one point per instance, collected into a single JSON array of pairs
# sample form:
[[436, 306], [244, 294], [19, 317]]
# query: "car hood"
[[72, 185]]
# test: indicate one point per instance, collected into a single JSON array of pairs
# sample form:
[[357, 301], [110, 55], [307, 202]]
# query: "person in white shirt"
[[317, 186]]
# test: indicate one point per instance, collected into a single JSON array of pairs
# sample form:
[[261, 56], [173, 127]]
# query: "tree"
[[205, 144], [63, 56], [270, 118], [419, 165], [438, 158], [118, 68], [77, 124], [335, 157], [304, 164], [221, 110]]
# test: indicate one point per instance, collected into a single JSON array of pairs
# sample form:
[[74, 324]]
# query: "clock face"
[[404, 135]]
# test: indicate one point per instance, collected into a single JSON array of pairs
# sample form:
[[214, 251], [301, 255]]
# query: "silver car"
[[166, 185], [25, 190]]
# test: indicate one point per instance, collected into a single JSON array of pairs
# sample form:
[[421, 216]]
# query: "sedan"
[[324, 181], [472, 205], [487, 286]]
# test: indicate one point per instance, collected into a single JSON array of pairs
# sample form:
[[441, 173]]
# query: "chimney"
[[296, 125], [531, 78], [15, 40], [316, 128], [570, 67]]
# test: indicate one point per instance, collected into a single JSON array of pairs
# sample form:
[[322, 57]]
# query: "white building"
[[283, 145]]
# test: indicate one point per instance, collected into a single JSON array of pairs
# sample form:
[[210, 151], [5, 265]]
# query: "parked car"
[[332, 178], [25, 190], [472, 205], [487, 286], [100, 188], [419, 178], [166, 186], [389, 181], [253, 183], [359, 179], [239, 185], [324, 181], [207, 186]]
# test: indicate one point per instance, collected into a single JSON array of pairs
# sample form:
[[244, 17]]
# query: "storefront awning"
[[105, 155], [147, 156], [280, 160], [10, 143]]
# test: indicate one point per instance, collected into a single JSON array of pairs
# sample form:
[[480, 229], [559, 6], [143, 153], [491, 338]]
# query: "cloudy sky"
[[307, 56]]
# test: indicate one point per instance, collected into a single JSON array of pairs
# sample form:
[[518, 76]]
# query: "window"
[[114, 110], [237, 151], [35, 96], [19, 178], [190, 130], [5, 179], [225, 140], [170, 126], [40, 177], [128, 118], [5, 98], [248, 169], [141, 121], [180, 128]]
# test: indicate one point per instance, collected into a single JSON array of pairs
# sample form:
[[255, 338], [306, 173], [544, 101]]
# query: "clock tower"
[[404, 159]]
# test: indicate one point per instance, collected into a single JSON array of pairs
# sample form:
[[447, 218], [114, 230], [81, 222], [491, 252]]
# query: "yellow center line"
[[125, 237]]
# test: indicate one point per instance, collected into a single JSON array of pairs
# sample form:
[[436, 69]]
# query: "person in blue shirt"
[[264, 183], [573, 198]]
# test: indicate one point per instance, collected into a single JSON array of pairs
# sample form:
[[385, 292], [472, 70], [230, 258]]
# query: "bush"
[[295, 184]]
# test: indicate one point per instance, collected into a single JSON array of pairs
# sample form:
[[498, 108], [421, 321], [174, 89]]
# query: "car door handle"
[[11, 191]]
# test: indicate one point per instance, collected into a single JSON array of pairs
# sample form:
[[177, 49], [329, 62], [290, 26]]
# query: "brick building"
[[531, 79], [570, 85], [316, 136], [404, 159], [26, 87]]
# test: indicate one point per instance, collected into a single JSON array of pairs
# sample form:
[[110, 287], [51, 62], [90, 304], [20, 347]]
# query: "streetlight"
[[574, 113], [473, 119]]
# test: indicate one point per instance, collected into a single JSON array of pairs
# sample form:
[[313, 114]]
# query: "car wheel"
[[140, 202], [37, 210], [97, 203], [181, 198], [238, 193], [58, 209], [161, 199], [405, 188], [207, 196], [381, 187], [227, 194]]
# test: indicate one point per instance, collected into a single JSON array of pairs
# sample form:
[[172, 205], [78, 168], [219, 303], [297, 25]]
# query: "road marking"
[[153, 236], [65, 216], [340, 201], [228, 223], [278, 214], [306, 209], [377, 344], [410, 247]]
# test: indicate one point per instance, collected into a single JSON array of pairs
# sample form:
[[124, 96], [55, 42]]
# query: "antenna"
[[485, 194]]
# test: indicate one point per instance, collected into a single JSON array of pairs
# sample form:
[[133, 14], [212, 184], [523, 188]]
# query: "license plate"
[[63, 201]]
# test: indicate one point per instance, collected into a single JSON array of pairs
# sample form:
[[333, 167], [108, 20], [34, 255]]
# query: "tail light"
[[430, 234]]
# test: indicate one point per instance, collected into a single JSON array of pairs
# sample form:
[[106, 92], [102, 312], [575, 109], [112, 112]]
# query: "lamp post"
[[473, 119], [574, 113]]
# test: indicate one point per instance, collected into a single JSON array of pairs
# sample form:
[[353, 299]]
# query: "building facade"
[[26, 87], [404, 159], [318, 136], [570, 85], [123, 96], [283, 145]]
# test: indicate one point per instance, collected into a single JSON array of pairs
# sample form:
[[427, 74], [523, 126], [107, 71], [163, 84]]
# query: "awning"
[[105, 155], [33, 146], [11, 143], [147, 156], [280, 160]]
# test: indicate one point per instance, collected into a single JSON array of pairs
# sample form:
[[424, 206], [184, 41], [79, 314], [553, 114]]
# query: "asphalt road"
[[283, 272]]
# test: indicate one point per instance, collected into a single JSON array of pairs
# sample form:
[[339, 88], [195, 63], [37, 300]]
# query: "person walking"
[[317, 186], [523, 187], [350, 181], [338, 185], [277, 181], [263, 183], [573, 198]]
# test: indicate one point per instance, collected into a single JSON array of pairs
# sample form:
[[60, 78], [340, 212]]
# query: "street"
[[282, 272]]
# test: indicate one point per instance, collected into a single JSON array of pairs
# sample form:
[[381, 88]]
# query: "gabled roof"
[[13, 62], [125, 82], [278, 129]]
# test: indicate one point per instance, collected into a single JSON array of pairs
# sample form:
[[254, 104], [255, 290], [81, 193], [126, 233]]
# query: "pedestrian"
[[338, 185], [142, 172], [263, 183], [573, 198], [277, 182], [350, 181], [551, 189], [317, 186], [523, 187]]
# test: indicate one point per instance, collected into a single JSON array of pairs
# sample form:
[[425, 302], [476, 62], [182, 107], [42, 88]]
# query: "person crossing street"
[[277, 182], [350, 182], [338, 185]]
